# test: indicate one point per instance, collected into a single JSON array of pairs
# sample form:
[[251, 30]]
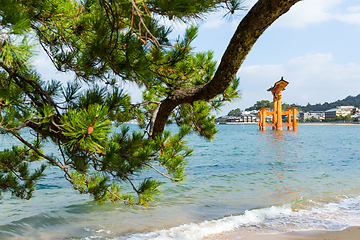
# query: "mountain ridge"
[[348, 101]]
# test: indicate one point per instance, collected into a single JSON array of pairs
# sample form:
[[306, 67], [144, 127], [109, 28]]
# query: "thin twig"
[[165, 175], [119, 198], [143, 23], [63, 167]]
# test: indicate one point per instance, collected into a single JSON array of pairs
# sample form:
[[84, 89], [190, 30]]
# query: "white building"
[[312, 114], [341, 111]]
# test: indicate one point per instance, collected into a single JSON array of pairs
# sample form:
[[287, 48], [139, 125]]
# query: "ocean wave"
[[331, 216]]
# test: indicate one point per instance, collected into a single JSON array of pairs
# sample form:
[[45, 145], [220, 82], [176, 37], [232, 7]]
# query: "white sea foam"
[[275, 219], [330, 216], [206, 228]]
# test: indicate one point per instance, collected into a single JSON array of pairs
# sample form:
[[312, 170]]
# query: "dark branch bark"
[[38, 96], [19, 79], [258, 19], [36, 150]]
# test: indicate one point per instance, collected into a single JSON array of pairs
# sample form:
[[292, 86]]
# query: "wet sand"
[[352, 233]]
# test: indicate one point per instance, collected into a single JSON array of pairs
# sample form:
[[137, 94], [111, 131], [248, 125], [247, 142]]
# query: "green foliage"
[[346, 118], [104, 43], [348, 101], [15, 54], [86, 128], [285, 106], [197, 115], [260, 104], [235, 112], [312, 119], [15, 175], [94, 184], [148, 189], [268, 104], [17, 49]]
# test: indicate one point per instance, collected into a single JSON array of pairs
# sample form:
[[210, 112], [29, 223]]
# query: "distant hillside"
[[348, 101]]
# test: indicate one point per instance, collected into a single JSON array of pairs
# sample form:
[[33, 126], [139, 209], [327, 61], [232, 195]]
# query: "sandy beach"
[[352, 233]]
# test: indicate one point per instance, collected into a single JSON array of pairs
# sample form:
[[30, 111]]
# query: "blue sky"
[[315, 47]]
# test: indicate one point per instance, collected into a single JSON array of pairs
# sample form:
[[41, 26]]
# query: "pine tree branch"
[[119, 172], [39, 90], [138, 12], [144, 103], [119, 198], [164, 174], [153, 119], [62, 152], [26, 123], [258, 19], [54, 162]]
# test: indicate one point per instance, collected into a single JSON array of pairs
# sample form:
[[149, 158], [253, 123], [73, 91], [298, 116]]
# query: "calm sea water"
[[245, 181]]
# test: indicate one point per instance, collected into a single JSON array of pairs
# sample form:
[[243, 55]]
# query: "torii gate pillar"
[[277, 112]]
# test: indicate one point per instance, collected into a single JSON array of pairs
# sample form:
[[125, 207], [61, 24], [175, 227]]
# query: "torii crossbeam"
[[277, 112]]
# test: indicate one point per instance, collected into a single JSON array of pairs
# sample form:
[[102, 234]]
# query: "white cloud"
[[351, 15], [47, 69], [209, 21], [175, 25], [309, 12], [302, 14], [214, 20], [354, 9], [313, 78]]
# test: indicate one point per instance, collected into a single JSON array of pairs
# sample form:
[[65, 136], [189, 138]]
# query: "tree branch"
[[165, 175], [258, 19], [119, 198], [64, 168]]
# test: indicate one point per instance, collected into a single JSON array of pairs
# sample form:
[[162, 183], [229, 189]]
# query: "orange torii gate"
[[277, 112]]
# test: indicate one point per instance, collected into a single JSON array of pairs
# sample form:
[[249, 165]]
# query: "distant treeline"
[[348, 101]]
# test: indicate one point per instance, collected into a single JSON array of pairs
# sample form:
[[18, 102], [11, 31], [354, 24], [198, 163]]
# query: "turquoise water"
[[250, 181]]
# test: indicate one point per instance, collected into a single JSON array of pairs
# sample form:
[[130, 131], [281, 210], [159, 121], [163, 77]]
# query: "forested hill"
[[348, 101]]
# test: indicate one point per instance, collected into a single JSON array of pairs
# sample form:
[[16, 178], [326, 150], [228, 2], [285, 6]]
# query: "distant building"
[[355, 111], [253, 112], [340, 111], [312, 114], [249, 118], [242, 118], [356, 117]]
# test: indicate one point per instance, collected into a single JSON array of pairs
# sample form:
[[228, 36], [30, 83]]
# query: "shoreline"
[[330, 123], [238, 234], [311, 123], [348, 233]]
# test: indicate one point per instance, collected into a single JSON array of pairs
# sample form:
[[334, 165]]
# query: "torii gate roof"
[[279, 86]]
